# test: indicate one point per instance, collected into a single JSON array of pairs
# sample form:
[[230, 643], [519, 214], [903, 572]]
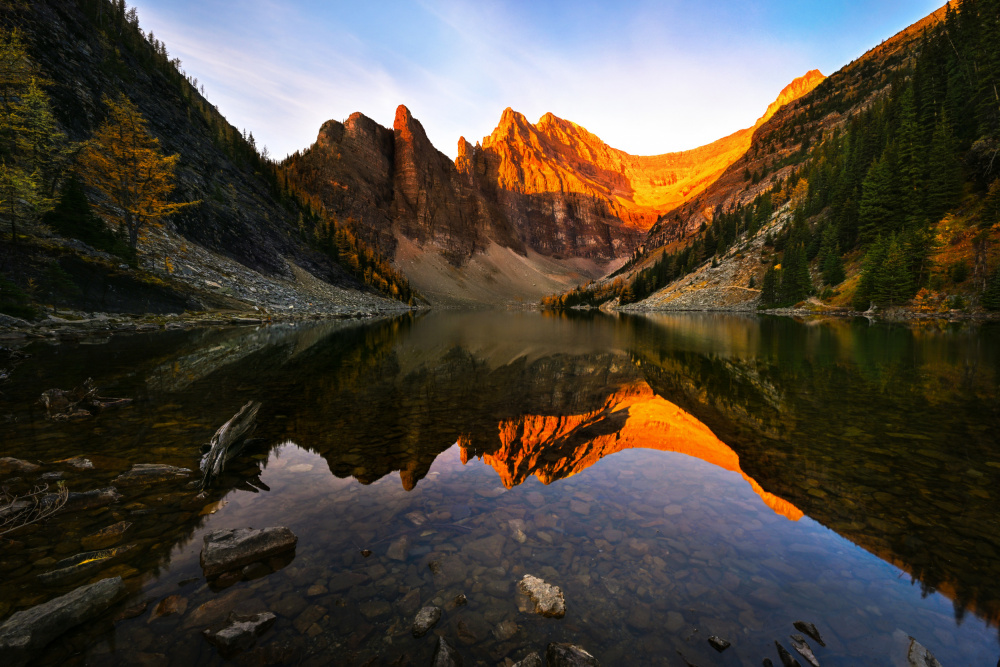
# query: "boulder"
[[241, 634], [568, 655], [548, 599], [25, 633], [426, 619], [226, 550], [445, 655], [150, 473]]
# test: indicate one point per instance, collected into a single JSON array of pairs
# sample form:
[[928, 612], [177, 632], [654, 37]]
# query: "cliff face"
[[534, 200], [557, 167]]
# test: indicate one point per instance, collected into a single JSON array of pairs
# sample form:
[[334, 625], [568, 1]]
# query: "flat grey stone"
[[25, 633], [226, 550]]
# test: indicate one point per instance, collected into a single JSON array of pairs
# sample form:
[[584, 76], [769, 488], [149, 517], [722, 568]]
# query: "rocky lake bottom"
[[678, 479]]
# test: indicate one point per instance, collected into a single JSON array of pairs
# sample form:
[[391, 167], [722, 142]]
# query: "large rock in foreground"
[[568, 655], [548, 599], [25, 633], [226, 550]]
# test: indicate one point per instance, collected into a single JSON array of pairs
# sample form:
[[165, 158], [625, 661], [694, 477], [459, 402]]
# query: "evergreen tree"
[[831, 265], [769, 288], [796, 284], [944, 182], [866, 292], [879, 210], [893, 281], [991, 295]]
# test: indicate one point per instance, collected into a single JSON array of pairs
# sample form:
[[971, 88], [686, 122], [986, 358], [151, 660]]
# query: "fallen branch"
[[16, 512], [228, 441]]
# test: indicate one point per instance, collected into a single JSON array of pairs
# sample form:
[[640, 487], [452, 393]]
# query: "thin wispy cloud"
[[647, 77]]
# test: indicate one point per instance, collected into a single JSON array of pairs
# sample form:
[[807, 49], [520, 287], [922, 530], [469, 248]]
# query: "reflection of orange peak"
[[554, 448]]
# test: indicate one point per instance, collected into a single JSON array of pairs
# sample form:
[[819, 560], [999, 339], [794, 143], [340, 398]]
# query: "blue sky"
[[647, 77]]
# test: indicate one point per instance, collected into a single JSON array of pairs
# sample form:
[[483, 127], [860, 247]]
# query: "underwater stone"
[[548, 599], [569, 655], [426, 619], [25, 633], [230, 549]]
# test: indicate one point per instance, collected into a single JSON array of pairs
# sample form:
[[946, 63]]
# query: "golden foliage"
[[124, 163]]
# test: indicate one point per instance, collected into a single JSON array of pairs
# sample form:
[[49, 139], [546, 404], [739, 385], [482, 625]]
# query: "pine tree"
[[991, 295], [894, 284], [944, 182], [831, 265], [769, 288], [879, 209], [867, 287]]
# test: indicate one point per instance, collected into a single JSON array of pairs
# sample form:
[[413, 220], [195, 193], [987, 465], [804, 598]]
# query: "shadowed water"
[[677, 477]]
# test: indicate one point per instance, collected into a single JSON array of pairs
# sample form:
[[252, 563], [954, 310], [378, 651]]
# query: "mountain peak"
[[793, 91]]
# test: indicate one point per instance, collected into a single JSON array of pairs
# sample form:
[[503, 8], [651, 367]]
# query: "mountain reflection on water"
[[591, 432]]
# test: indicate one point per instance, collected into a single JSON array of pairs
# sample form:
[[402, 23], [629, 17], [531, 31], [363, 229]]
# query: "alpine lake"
[[678, 477]]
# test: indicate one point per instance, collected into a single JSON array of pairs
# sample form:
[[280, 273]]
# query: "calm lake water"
[[676, 476]]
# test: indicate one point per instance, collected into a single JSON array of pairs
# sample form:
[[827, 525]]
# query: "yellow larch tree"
[[123, 162]]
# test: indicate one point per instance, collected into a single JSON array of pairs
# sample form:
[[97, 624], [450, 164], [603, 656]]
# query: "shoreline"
[[77, 325]]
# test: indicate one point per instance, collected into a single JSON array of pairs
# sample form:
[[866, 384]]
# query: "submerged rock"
[[800, 645], [150, 473], [548, 599], [9, 464], [398, 549], [786, 658], [445, 655], [918, 656], [80, 565], [105, 537], [810, 630], [25, 633], [241, 634], [718, 643], [531, 660], [230, 549], [92, 499], [568, 655], [426, 619]]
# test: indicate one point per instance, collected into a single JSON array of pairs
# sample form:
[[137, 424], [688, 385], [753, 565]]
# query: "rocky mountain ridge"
[[531, 208]]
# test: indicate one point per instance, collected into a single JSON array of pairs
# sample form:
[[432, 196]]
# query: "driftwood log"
[[228, 442]]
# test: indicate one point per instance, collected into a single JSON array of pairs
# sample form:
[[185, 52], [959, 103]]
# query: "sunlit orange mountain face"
[[633, 417], [529, 209]]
